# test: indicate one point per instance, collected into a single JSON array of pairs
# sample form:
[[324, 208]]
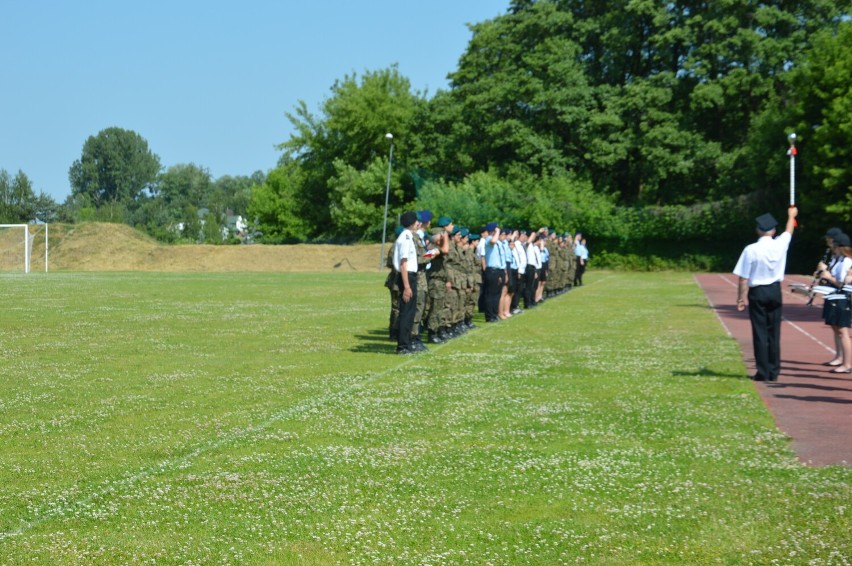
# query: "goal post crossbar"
[[27, 241]]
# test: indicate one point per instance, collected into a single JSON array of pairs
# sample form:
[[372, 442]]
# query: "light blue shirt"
[[511, 260], [493, 255]]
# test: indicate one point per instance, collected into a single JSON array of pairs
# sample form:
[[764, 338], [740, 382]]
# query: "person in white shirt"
[[760, 270], [532, 271], [405, 264], [581, 252], [836, 307], [520, 255]]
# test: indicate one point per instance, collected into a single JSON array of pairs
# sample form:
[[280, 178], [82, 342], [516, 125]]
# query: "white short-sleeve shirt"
[[764, 261], [404, 249]]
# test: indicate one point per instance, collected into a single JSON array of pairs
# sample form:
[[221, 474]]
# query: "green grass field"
[[264, 419]]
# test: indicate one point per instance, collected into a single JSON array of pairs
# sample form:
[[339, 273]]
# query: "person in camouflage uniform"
[[553, 265], [437, 282], [422, 283], [474, 278], [568, 245], [458, 281]]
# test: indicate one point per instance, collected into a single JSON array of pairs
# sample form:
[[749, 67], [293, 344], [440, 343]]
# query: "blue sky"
[[203, 82]]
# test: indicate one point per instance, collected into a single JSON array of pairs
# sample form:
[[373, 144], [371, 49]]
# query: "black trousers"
[[406, 311], [530, 285], [492, 287], [764, 310], [518, 290], [578, 273]]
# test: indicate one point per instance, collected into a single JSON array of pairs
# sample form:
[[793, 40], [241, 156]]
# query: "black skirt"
[[837, 312]]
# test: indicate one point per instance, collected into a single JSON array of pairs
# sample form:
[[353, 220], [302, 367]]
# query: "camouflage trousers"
[[422, 292], [436, 297]]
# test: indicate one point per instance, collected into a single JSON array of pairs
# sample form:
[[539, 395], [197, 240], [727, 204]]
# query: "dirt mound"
[[117, 247]]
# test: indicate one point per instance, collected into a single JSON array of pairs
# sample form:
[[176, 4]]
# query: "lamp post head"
[[792, 138], [389, 136]]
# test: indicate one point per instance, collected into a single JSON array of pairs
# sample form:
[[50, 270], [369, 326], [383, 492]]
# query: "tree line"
[[652, 125], [118, 178], [656, 126]]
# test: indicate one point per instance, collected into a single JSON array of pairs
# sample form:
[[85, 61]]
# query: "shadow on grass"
[[704, 372], [374, 342], [374, 335], [375, 348]]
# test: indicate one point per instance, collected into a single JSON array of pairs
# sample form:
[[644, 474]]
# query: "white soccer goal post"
[[20, 243]]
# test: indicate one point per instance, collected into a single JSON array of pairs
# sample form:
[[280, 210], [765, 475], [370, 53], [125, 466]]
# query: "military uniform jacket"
[[455, 267]]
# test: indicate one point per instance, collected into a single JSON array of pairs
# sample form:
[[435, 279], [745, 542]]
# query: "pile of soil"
[[117, 247]]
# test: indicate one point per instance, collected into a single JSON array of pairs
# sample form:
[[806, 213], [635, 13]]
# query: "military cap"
[[766, 222], [444, 221], [842, 240]]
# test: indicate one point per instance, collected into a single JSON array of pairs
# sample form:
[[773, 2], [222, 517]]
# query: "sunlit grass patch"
[[264, 419]]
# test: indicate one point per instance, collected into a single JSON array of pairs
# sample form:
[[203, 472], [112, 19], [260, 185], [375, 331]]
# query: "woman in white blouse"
[[837, 308]]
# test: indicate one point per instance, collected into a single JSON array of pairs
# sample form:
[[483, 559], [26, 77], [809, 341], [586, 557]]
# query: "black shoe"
[[757, 378], [404, 351], [419, 346], [434, 338]]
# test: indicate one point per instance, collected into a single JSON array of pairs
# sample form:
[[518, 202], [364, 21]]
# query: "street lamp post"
[[387, 196]]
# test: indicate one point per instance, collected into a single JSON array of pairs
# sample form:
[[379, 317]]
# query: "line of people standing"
[[440, 275]]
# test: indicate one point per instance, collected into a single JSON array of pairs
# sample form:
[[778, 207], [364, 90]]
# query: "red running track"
[[810, 405]]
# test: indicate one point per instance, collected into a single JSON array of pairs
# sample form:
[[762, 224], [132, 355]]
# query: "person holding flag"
[[760, 269]]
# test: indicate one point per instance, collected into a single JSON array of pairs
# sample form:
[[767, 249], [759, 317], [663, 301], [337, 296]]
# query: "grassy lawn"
[[263, 419]]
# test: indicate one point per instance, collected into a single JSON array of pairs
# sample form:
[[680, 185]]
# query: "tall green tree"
[[650, 100], [184, 189], [351, 130], [277, 205], [823, 109], [184, 183], [116, 166], [18, 201], [358, 198], [522, 93]]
